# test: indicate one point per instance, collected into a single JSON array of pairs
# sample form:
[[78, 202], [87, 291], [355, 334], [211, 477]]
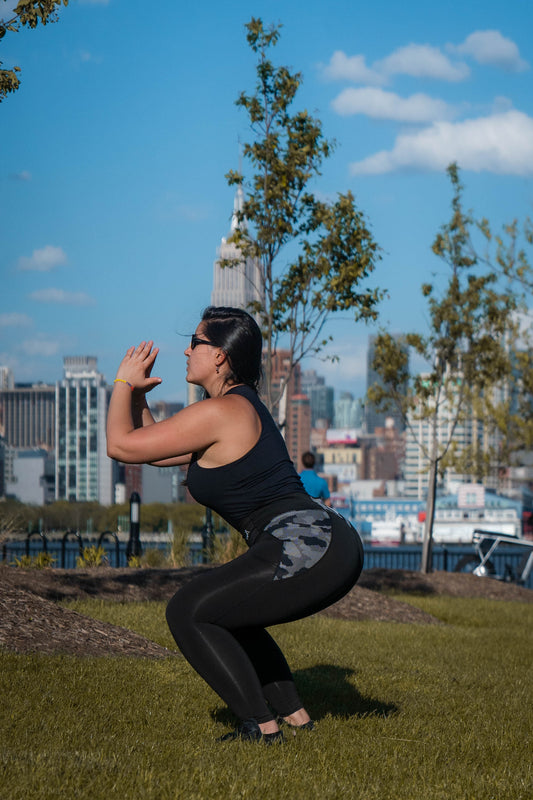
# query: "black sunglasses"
[[196, 340]]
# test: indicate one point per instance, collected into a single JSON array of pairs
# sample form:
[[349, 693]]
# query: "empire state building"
[[240, 285]]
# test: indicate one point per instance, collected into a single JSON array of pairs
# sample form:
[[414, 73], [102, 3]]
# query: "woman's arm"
[[171, 441], [142, 416]]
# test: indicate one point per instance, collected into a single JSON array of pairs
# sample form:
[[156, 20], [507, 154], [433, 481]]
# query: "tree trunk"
[[427, 547]]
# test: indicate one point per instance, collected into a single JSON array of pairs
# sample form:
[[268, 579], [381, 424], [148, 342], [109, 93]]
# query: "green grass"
[[405, 712]]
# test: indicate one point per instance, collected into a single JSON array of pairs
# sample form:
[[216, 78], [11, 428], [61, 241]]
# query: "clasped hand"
[[136, 367]]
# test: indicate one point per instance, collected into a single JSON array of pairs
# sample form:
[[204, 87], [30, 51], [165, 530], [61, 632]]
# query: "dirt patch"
[[452, 584], [31, 624], [32, 621]]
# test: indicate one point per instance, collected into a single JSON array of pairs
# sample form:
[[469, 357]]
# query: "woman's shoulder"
[[229, 404]]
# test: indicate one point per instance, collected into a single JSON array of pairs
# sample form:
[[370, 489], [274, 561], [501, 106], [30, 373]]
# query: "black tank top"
[[264, 474]]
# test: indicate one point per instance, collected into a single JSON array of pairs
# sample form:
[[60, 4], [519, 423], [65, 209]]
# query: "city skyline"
[[116, 145]]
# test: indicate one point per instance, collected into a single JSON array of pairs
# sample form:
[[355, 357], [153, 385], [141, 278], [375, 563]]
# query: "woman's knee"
[[178, 614]]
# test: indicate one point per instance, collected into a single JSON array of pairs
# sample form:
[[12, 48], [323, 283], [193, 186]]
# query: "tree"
[[26, 13], [479, 371], [332, 250]]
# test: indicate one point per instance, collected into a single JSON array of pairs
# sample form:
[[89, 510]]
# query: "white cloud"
[[62, 297], [349, 372], [422, 61], [43, 260], [417, 60], [40, 346], [14, 319], [501, 143], [378, 104], [490, 47], [351, 68]]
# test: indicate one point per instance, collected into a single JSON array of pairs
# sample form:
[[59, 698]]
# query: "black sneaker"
[[249, 731], [307, 726]]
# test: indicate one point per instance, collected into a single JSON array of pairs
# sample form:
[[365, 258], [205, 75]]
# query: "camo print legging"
[[302, 558]]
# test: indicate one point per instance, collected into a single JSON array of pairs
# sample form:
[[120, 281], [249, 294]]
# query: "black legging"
[[218, 619]]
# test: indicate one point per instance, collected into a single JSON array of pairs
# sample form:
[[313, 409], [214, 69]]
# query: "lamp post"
[[134, 543]]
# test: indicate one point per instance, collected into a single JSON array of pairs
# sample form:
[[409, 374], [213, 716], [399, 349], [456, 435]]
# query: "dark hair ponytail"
[[239, 336]]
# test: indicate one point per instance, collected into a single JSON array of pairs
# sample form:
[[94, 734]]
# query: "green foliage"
[[27, 13], [479, 359], [153, 557], [410, 712], [228, 546], [335, 250], [40, 561], [92, 556], [180, 551], [18, 518]]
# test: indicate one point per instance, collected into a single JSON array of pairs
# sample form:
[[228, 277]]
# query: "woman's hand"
[[136, 367]]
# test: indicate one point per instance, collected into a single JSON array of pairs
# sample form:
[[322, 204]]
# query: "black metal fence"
[[66, 549]]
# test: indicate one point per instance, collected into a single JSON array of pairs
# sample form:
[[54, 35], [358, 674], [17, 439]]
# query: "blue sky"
[[113, 154]]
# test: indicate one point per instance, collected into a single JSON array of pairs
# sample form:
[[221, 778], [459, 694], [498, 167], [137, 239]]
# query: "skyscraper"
[[374, 418], [240, 285], [348, 411], [321, 397], [83, 469]]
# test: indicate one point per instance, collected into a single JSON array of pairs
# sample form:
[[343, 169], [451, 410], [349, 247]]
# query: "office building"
[[298, 437], [29, 475], [419, 436], [240, 285], [348, 412], [27, 416], [321, 398], [373, 418], [83, 470]]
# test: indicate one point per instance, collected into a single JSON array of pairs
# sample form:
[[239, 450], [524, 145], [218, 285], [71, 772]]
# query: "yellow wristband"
[[123, 381]]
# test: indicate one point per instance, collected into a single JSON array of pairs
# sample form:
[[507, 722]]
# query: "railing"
[[113, 536], [407, 557], [76, 534]]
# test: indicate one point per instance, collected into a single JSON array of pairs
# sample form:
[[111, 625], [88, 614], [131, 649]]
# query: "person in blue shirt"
[[314, 485]]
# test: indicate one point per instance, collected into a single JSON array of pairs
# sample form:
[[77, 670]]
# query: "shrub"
[[154, 557], [180, 552], [35, 562], [92, 557], [227, 546]]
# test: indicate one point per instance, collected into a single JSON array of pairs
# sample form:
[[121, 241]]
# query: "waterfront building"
[[83, 471], [29, 475], [162, 484], [467, 433], [342, 458], [417, 444], [27, 416]]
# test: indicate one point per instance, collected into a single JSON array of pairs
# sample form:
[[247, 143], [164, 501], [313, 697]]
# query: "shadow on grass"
[[327, 689]]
